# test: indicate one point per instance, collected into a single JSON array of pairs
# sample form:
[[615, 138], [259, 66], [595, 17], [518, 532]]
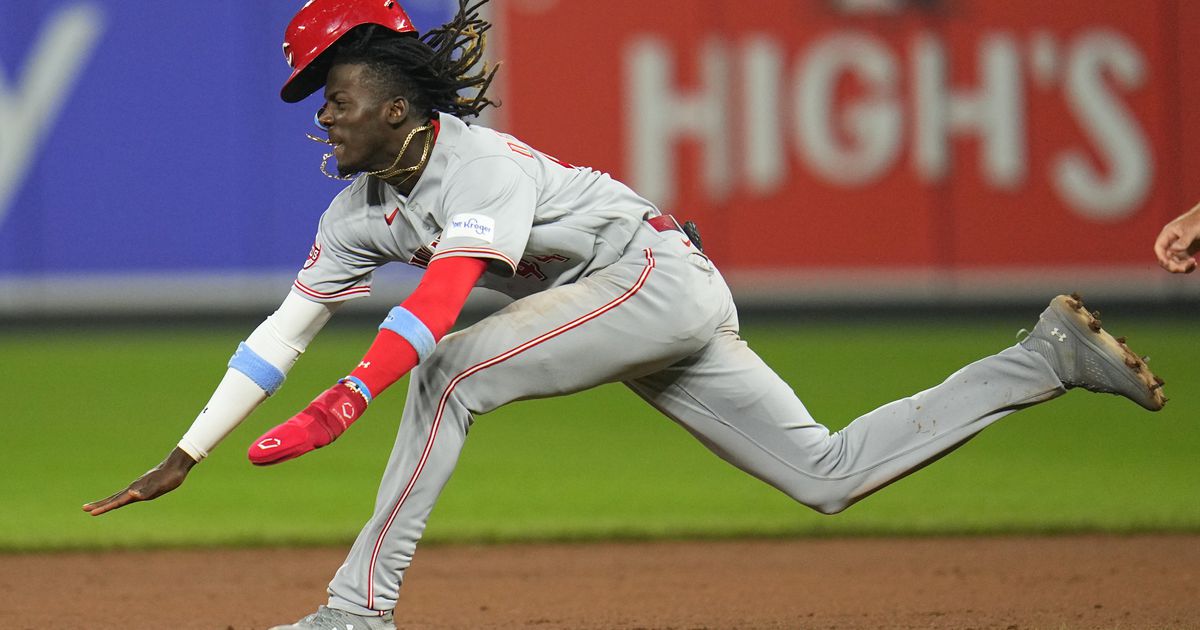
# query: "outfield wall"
[[833, 151]]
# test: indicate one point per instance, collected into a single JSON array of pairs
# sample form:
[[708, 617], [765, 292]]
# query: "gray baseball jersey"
[[540, 223], [603, 297]]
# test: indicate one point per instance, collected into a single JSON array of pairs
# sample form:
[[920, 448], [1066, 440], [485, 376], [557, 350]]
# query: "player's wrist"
[[335, 410], [356, 385], [180, 459]]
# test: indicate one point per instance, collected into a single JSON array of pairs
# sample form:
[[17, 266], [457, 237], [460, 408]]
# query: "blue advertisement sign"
[[149, 136]]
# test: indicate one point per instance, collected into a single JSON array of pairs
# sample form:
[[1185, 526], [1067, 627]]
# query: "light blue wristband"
[[402, 322], [265, 375], [357, 385]]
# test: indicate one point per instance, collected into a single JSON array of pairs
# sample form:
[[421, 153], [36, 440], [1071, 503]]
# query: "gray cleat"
[[327, 618], [1083, 354]]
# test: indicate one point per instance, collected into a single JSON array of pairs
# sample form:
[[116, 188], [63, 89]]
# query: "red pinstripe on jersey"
[[477, 251], [320, 295], [496, 360]]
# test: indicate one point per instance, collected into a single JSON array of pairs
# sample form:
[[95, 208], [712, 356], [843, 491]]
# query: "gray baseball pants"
[[662, 321]]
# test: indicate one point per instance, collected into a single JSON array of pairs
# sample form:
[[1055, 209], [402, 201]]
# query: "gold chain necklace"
[[390, 171]]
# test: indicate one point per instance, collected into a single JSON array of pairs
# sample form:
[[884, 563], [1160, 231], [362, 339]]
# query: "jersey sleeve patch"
[[475, 226]]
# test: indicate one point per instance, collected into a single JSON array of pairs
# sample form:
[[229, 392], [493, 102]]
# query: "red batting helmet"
[[318, 25]]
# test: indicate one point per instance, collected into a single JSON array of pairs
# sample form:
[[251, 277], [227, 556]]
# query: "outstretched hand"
[[318, 424], [1178, 243], [158, 481]]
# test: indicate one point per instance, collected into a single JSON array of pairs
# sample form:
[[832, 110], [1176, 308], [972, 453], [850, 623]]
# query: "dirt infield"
[[1007, 583]]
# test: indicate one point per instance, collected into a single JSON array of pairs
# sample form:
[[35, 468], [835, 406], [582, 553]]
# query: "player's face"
[[357, 120]]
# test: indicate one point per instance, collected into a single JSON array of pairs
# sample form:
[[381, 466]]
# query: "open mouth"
[[336, 150], [322, 140]]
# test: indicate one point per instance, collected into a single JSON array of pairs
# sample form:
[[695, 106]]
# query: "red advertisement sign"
[[874, 135]]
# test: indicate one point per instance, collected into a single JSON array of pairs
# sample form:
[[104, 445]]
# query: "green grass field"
[[86, 411]]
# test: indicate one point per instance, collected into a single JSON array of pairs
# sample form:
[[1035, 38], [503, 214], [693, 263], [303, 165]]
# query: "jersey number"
[[528, 152], [531, 269]]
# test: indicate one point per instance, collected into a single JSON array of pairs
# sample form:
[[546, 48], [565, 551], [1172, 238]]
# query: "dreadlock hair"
[[430, 70]]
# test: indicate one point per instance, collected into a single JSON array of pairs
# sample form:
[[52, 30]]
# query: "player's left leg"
[[736, 405]]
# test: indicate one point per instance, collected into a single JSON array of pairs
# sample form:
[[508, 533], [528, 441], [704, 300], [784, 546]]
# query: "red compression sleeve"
[[437, 302]]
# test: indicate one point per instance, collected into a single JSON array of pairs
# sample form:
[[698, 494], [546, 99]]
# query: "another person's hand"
[[320, 423], [158, 481], [1178, 243]]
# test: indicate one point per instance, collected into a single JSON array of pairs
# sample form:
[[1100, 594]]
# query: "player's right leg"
[[659, 303], [737, 406]]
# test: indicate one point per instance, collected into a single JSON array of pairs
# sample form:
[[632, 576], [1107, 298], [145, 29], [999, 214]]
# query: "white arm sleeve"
[[279, 340]]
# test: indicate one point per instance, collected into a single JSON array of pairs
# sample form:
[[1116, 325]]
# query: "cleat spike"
[[1121, 340], [1132, 363], [1158, 381], [1094, 325], [1146, 359]]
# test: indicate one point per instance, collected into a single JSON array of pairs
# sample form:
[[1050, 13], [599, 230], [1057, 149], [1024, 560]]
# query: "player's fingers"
[[94, 504], [1169, 263], [1178, 264], [98, 508], [1171, 250], [125, 499], [117, 500], [1166, 238]]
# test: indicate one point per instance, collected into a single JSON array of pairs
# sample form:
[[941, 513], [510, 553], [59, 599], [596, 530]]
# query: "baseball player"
[[606, 288], [1178, 242]]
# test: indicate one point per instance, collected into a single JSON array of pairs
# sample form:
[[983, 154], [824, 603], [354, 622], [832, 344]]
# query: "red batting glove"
[[320, 423]]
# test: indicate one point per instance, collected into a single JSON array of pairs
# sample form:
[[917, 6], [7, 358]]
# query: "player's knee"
[[437, 370], [427, 381], [440, 378], [829, 508], [825, 497], [827, 505]]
